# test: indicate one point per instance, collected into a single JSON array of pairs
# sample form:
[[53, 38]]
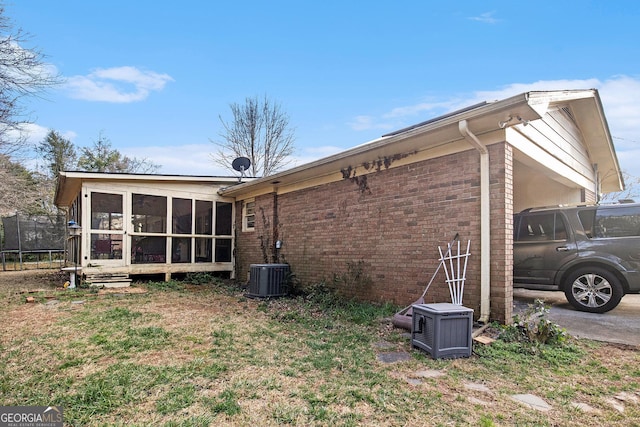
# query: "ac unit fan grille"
[[268, 280]]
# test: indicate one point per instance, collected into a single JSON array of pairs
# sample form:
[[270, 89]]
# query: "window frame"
[[248, 217], [524, 232]]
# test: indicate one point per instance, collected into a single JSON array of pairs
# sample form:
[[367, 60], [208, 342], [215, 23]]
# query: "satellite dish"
[[241, 164]]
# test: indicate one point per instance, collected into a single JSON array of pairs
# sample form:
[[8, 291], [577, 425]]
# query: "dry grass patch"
[[206, 355]]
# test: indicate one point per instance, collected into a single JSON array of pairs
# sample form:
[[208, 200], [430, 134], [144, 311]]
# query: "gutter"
[[485, 233]]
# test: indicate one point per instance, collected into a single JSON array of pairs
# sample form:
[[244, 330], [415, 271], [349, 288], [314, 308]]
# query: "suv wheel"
[[593, 289]]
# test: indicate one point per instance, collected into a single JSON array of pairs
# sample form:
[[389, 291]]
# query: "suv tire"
[[593, 289]]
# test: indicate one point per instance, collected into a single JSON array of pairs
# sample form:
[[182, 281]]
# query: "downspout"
[[485, 233]]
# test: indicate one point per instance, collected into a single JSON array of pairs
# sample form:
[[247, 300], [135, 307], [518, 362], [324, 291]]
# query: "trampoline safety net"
[[33, 233]]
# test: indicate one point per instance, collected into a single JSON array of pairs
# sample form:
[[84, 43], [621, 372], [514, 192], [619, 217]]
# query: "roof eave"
[[491, 113], [70, 182]]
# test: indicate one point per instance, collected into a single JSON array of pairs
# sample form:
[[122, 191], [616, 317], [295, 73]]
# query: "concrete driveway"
[[620, 325]]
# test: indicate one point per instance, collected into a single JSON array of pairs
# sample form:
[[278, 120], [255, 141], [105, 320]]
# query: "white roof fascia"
[[146, 177]]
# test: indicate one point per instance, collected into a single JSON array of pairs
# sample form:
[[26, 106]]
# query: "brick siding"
[[376, 236]]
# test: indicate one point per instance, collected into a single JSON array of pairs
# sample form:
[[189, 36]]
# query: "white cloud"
[[33, 133], [310, 154], [413, 110], [323, 150], [117, 85], [187, 159], [486, 18], [621, 102], [361, 123]]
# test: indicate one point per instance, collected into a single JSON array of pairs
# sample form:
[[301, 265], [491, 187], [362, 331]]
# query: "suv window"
[[605, 223], [540, 227]]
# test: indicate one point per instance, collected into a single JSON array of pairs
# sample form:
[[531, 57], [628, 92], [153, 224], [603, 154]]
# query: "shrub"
[[200, 278], [532, 326]]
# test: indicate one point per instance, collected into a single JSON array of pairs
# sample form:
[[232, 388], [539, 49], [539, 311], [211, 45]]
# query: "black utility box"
[[442, 330]]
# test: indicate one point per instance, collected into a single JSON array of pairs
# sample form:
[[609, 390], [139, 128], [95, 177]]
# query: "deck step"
[[108, 280]]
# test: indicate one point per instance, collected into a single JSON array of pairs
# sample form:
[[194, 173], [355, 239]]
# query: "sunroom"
[[124, 225]]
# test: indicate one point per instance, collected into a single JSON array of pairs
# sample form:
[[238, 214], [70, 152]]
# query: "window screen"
[[204, 214], [149, 213], [223, 219], [181, 222], [106, 211]]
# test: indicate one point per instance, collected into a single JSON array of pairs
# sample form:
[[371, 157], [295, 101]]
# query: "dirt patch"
[[122, 291], [27, 280]]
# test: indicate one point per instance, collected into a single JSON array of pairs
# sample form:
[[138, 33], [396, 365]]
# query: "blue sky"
[[155, 76]]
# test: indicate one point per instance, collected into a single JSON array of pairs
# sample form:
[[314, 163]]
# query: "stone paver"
[[477, 401], [477, 387], [532, 401], [626, 397], [429, 373], [615, 404], [584, 407]]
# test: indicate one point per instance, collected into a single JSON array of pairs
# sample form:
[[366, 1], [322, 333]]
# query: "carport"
[[567, 155]]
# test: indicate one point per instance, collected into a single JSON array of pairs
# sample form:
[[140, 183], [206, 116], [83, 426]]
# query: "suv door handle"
[[562, 249]]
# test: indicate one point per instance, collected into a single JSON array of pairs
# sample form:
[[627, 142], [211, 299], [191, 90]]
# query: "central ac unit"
[[268, 280]]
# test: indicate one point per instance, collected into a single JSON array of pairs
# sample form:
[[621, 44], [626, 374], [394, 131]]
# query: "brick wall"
[[376, 237], [501, 156]]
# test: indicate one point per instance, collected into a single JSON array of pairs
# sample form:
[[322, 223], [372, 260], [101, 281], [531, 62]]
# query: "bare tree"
[[101, 157], [259, 131], [23, 72], [19, 190], [631, 191]]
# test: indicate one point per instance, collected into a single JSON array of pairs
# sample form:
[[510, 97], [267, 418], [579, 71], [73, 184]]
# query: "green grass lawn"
[[181, 355]]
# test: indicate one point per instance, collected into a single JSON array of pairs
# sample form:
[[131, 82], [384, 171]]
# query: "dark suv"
[[590, 252]]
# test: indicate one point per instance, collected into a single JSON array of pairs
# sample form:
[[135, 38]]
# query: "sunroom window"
[[149, 213], [181, 223], [106, 211]]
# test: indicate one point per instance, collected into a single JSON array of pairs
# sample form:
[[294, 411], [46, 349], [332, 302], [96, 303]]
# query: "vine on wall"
[[377, 164], [265, 241], [355, 280]]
